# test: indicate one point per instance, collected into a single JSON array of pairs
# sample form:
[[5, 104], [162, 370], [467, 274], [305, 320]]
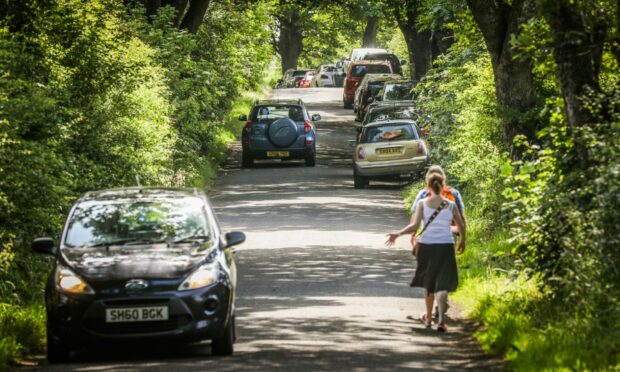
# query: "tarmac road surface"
[[317, 290]]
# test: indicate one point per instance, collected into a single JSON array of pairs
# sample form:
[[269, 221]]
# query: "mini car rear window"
[[271, 113], [392, 113], [300, 72], [389, 132], [396, 92], [362, 70]]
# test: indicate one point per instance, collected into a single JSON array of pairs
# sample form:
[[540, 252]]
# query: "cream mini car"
[[388, 149]]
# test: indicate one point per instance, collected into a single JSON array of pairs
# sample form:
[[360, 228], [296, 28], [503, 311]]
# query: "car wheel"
[[311, 160], [57, 352], [246, 161], [224, 345], [359, 182]]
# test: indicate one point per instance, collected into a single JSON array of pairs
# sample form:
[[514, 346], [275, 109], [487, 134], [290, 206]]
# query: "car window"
[[392, 113], [389, 132], [329, 68], [362, 70], [397, 92], [299, 73], [271, 113], [103, 222], [374, 87]]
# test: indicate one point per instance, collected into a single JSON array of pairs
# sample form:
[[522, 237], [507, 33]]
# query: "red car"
[[355, 74], [307, 79]]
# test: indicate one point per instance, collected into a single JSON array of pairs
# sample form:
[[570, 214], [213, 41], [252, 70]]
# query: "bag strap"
[[433, 216]]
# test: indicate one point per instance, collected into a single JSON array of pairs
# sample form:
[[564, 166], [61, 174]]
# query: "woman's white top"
[[438, 232]]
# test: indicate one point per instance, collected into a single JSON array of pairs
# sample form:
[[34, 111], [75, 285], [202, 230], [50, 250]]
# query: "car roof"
[[389, 121], [275, 102], [138, 192]]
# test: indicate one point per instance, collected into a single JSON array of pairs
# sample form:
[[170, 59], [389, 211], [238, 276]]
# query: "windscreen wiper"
[[125, 242], [191, 239]]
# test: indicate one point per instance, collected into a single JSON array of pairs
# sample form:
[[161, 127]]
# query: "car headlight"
[[69, 282], [205, 275]]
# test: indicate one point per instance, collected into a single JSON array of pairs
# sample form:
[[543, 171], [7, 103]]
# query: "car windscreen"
[[95, 223], [270, 113], [300, 72], [362, 70], [389, 133], [397, 92], [328, 69], [374, 87], [392, 113]]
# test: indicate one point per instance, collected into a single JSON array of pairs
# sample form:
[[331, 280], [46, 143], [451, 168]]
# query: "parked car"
[[307, 79], [365, 93], [139, 265], [280, 129], [384, 110], [325, 77], [385, 56], [389, 149], [357, 54], [355, 74], [396, 90], [291, 78]]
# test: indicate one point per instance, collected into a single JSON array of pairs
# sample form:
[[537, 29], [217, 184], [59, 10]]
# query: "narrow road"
[[317, 289]]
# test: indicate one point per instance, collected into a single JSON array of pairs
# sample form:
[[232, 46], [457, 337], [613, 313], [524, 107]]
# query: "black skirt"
[[436, 269]]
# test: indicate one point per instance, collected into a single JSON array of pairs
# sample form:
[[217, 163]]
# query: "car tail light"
[[307, 126], [361, 154], [248, 126], [309, 140], [421, 148]]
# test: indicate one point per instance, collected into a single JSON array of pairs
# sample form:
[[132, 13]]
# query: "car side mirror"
[[234, 238], [44, 245], [353, 143], [243, 118], [316, 117]]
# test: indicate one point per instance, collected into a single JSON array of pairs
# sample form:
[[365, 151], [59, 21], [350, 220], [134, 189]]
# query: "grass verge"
[[22, 332]]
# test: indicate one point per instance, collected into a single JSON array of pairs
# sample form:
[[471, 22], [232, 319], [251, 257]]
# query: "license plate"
[[277, 154], [136, 314], [390, 151]]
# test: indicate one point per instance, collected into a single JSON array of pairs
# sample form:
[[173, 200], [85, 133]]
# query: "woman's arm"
[[460, 223], [416, 220]]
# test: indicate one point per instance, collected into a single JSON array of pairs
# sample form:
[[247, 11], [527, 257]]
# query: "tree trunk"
[[514, 81], [370, 33], [577, 54], [441, 41], [290, 42], [418, 42], [194, 16]]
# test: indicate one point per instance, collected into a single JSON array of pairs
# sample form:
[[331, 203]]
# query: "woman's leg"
[[442, 302], [429, 299]]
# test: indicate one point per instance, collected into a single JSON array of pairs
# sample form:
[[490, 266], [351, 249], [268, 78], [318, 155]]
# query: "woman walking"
[[436, 271]]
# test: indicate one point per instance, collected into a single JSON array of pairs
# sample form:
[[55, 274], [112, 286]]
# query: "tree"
[[188, 18], [369, 39], [288, 35], [499, 21]]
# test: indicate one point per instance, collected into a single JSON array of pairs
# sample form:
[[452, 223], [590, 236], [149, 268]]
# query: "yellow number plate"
[[277, 154], [390, 151]]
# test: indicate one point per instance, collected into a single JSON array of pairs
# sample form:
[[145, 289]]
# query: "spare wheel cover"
[[283, 132]]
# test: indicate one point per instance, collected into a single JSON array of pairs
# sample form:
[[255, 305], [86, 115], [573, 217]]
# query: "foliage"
[[22, 330]]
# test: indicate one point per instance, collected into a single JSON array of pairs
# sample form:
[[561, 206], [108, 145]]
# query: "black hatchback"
[[140, 264]]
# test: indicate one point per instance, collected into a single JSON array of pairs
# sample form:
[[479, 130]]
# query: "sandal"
[[425, 320], [442, 327]]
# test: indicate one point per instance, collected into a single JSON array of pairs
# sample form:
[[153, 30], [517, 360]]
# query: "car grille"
[[101, 327], [136, 302]]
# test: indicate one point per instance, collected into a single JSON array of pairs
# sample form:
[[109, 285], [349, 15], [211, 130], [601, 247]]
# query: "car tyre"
[[246, 161], [224, 345], [311, 160], [57, 352], [359, 182]]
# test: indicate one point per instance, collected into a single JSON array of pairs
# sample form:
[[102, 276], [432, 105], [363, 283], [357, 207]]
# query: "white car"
[[325, 77]]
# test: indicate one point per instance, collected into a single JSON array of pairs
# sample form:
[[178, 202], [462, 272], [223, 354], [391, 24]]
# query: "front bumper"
[[391, 168], [193, 315]]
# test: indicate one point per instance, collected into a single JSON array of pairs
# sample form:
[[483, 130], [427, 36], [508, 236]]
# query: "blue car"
[[280, 129]]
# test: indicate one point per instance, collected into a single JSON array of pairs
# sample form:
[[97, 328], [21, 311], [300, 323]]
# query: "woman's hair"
[[435, 182], [435, 169]]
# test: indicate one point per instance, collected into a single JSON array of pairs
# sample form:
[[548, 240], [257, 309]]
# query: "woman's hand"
[[461, 247], [391, 239]]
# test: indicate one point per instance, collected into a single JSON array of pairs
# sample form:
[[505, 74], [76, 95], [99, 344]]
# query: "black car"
[[140, 264], [279, 129]]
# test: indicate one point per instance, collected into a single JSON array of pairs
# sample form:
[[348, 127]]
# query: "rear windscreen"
[[300, 72], [271, 113], [375, 87], [362, 70], [389, 132], [392, 113], [397, 92]]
